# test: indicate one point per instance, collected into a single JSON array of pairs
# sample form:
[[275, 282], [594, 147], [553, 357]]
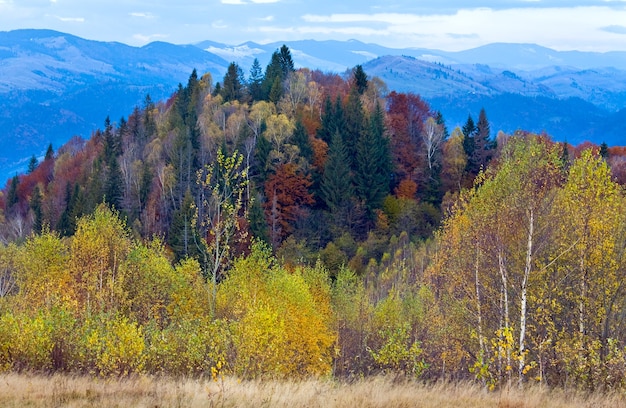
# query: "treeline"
[[289, 225], [330, 160]]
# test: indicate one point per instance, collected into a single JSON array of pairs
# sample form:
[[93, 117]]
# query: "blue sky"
[[444, 24]]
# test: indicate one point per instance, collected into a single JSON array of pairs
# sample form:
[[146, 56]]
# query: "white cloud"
[[149, 38], [142, 15], [71, 19]]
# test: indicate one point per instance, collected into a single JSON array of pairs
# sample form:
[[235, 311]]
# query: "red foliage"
[[287, 191]]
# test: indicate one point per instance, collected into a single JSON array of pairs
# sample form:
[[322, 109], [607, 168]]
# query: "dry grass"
[[66, 391]]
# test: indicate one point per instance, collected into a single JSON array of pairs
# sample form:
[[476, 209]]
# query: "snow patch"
[[240, 51]]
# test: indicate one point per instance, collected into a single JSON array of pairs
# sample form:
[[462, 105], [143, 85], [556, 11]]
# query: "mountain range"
[[54, 85]]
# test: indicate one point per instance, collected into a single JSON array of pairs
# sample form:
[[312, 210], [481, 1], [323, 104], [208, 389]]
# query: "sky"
[[450, 25]]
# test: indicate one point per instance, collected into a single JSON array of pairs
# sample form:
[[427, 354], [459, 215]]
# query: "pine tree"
[[469, 132], [354, 123], [482, 144], [12, 197], [255, 81], [373, 163], [114, 185], [49, 152], [360, 79], [336, 185], [32, 164], [301, 139], [232, 86], [35, 206], [286, 62], [604, 151]]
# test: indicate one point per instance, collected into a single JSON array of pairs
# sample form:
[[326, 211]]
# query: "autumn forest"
[[289, 223]]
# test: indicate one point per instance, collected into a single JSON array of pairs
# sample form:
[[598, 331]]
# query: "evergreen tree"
[[65, 225], [255, 81], [232, 86], [32, 164], [469, 131], [301, 139], [273, 74], [49, 152], [373, 163], [114, 185], [354, 122], [604, 151], [328, 127], [12, 197], [360, 79], [482, 143], [286, 62], [336, 185], [35, 206]]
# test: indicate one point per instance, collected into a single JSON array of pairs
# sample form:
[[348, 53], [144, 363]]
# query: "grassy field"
[[65, 391]]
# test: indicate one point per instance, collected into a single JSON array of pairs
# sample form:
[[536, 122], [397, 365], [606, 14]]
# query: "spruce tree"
[[604, 150], [255, 81], [232, 86], [373, 163], [301, 139], [360, 79], [32, 164], [354, 122], [49, 153], [35, 206], [336, 185], [482, 143]]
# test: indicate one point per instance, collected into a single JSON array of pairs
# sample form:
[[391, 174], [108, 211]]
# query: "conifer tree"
[[482, 143], [354, 123], [373, 163], [49, 152], [232, 86], [360, 79], [32, 164], [35, 206], [255, 81], [336, 185], [301, 139]]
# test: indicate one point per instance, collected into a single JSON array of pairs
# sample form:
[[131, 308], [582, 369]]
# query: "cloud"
[[463, 36], [233, 2], [71, 19], [149, 38], [147, 15], [615, 29]]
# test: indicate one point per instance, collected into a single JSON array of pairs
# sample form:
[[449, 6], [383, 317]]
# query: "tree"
[[255, 81], [32, 164], [482, 149], [36, 208], [360, 79], [287, 192], [223, 185], [454, 161], [336, 184], [232, 86], [373, 163]]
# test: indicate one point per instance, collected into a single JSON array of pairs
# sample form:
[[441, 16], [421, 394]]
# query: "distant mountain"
[[54, 85], [567, 103]]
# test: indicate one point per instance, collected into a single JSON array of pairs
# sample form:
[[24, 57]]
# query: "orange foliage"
[[406, 189], [286, 192]]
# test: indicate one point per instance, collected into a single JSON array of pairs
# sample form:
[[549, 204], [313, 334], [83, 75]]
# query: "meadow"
[[31, 390]]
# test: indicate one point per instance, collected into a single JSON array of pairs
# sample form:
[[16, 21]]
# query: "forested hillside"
[[297, 223]]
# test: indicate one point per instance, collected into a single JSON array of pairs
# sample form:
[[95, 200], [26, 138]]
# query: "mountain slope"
[[55, 85]]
